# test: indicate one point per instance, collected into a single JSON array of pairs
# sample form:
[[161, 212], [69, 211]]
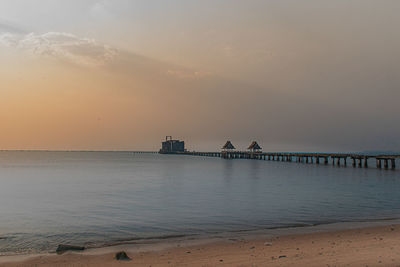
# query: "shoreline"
[[205, 242]]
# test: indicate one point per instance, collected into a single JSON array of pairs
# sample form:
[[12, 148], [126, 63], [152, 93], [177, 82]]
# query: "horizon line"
[[72, 150]]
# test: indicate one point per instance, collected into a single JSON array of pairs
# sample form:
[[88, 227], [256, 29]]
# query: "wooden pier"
[[343, 160], [254, 152]]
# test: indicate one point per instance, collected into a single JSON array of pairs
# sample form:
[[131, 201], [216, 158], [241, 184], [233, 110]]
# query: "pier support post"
[[386, 162], [317, 160], [360, 162], [326, 160], [393, 164], [378, 163], [354, 162], [366, 162]]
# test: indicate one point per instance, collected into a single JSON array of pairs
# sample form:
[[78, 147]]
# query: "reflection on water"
[[94, 198]]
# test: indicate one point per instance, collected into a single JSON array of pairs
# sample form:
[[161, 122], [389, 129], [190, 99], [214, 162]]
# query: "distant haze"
[[295, 75]]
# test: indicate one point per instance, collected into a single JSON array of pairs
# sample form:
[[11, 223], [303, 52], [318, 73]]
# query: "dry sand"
[[373, 246]]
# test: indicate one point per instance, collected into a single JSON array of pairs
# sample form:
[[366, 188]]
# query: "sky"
[[295, 75]]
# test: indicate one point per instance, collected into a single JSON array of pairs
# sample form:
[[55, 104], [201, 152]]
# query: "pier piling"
[[378, 163]]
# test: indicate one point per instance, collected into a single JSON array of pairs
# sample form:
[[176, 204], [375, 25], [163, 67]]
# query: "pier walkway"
[[356, 160]]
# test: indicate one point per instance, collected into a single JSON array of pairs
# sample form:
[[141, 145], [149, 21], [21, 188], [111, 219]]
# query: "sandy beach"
[[370, 246]]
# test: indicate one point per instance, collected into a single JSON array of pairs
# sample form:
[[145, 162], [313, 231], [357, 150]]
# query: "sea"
[[95, 199]]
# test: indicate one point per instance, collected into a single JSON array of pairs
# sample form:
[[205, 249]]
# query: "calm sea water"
[[96, 198]]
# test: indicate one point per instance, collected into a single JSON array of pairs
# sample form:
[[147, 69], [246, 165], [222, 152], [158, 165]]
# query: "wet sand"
[[370, 246]]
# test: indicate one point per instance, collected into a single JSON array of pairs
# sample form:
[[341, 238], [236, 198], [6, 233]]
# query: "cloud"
[[188, 74], [63, 46], [8, 39]]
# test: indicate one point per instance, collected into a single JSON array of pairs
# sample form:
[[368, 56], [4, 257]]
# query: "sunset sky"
[[296, 75]]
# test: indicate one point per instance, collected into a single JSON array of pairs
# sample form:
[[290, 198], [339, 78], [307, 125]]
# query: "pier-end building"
[[171, 146]]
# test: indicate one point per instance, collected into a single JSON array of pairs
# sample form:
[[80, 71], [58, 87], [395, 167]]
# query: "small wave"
[[136, 240]]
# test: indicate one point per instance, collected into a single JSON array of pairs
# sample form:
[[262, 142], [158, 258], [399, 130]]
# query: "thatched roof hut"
[[228, 146], [254, 146]]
